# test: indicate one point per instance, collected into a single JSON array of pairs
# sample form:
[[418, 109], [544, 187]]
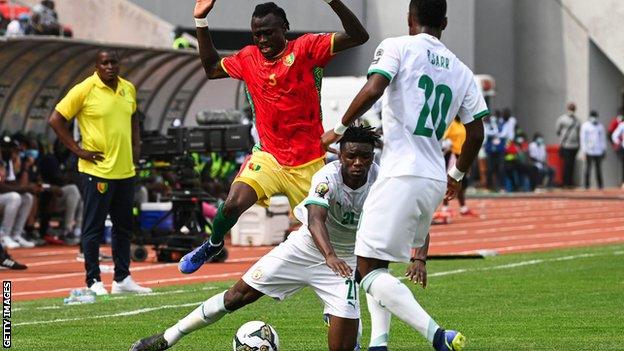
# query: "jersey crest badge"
[[257, 274], [378, 55], [322, 189], [102, 187], [289, 60]]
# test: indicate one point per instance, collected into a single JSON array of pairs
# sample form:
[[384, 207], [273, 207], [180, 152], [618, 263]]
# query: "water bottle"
[[80, 299]]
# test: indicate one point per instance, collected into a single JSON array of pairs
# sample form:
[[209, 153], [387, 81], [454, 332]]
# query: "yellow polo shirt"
[[105, 119], [456, 133]]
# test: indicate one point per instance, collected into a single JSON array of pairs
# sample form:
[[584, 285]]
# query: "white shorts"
[[290, 267], [396, 217]]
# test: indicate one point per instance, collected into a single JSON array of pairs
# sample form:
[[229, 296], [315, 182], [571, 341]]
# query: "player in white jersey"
[[427, 87], [319, 254]]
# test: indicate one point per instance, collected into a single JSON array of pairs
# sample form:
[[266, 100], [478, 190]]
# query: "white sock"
[[380, 322], [463, 209], [207, 313], [397, 298]]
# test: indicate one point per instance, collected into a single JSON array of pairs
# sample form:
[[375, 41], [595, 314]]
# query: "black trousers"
[[103, 197], [596, 161], [568, 157]]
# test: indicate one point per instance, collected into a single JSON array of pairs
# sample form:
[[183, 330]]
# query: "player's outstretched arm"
[[207, 52], [363, 101], [317, 215], [354, 35]]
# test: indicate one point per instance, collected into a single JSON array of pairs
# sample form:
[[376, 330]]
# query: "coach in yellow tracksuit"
[[104, 105]]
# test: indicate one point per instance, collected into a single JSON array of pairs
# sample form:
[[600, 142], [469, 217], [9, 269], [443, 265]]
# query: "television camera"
[[187, 227]]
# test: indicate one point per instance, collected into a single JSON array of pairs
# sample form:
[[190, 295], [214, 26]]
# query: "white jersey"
[[344, 209], [429, 86]]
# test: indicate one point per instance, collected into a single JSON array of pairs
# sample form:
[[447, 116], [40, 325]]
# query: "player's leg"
[[343, 332], [209, 312], [380, 325], [254, 183], [341, 300], [393, 205]]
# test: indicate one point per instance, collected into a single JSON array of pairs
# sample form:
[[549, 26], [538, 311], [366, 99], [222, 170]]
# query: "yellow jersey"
[[105, 120], [456, 133]]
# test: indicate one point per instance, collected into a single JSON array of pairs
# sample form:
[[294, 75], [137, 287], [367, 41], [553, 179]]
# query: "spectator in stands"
[[617, 142], [568, 128], [495, 152], [65, 198], [45, 20], [617, 138], [20, 26], [594, 145], [517, 171], [104, 105], [5, 259], [540, 170], [15, 196], [508, 126]]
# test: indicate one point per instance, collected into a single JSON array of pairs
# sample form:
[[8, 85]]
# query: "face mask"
[[22, 154], [539, 141], [594, 120], [34, 153], [520, 140]]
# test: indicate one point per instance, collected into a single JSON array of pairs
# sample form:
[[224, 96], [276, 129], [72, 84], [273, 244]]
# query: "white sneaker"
[[23, 242], [98, 288], [9, 243], [128, 285]]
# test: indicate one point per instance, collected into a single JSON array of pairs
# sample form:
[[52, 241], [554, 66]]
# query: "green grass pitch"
[[558, 300]]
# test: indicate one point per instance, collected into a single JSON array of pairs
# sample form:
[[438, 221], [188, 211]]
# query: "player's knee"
[[232, 300], [342, 345], [231, 207]]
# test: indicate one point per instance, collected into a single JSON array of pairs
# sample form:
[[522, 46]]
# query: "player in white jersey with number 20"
[[426, 87], [319, 254]]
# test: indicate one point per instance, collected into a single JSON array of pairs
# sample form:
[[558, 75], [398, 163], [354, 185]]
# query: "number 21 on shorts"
[[439, 110]]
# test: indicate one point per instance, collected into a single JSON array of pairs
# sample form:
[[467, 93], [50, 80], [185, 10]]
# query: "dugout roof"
[[35, 72]]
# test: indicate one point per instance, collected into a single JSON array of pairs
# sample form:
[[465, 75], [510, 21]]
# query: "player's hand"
[[91, 156], [202, 8], [452, 188], [340, 267], [417, 272], [328, 138]]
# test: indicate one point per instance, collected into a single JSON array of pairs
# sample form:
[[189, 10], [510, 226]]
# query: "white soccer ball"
[[255, 336]]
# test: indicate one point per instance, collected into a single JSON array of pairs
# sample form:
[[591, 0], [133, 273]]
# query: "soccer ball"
[[255, 336]]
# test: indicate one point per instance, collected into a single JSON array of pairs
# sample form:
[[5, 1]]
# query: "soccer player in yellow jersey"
[[104, 105]]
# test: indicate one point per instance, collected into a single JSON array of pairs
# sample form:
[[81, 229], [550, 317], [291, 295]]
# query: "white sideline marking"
[[121, 314], [115, 297], [437, 274]]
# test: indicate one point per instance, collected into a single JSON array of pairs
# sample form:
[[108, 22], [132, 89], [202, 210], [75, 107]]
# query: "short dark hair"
[[268, 8], [360, 134], [109, 51], [430, 13]]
